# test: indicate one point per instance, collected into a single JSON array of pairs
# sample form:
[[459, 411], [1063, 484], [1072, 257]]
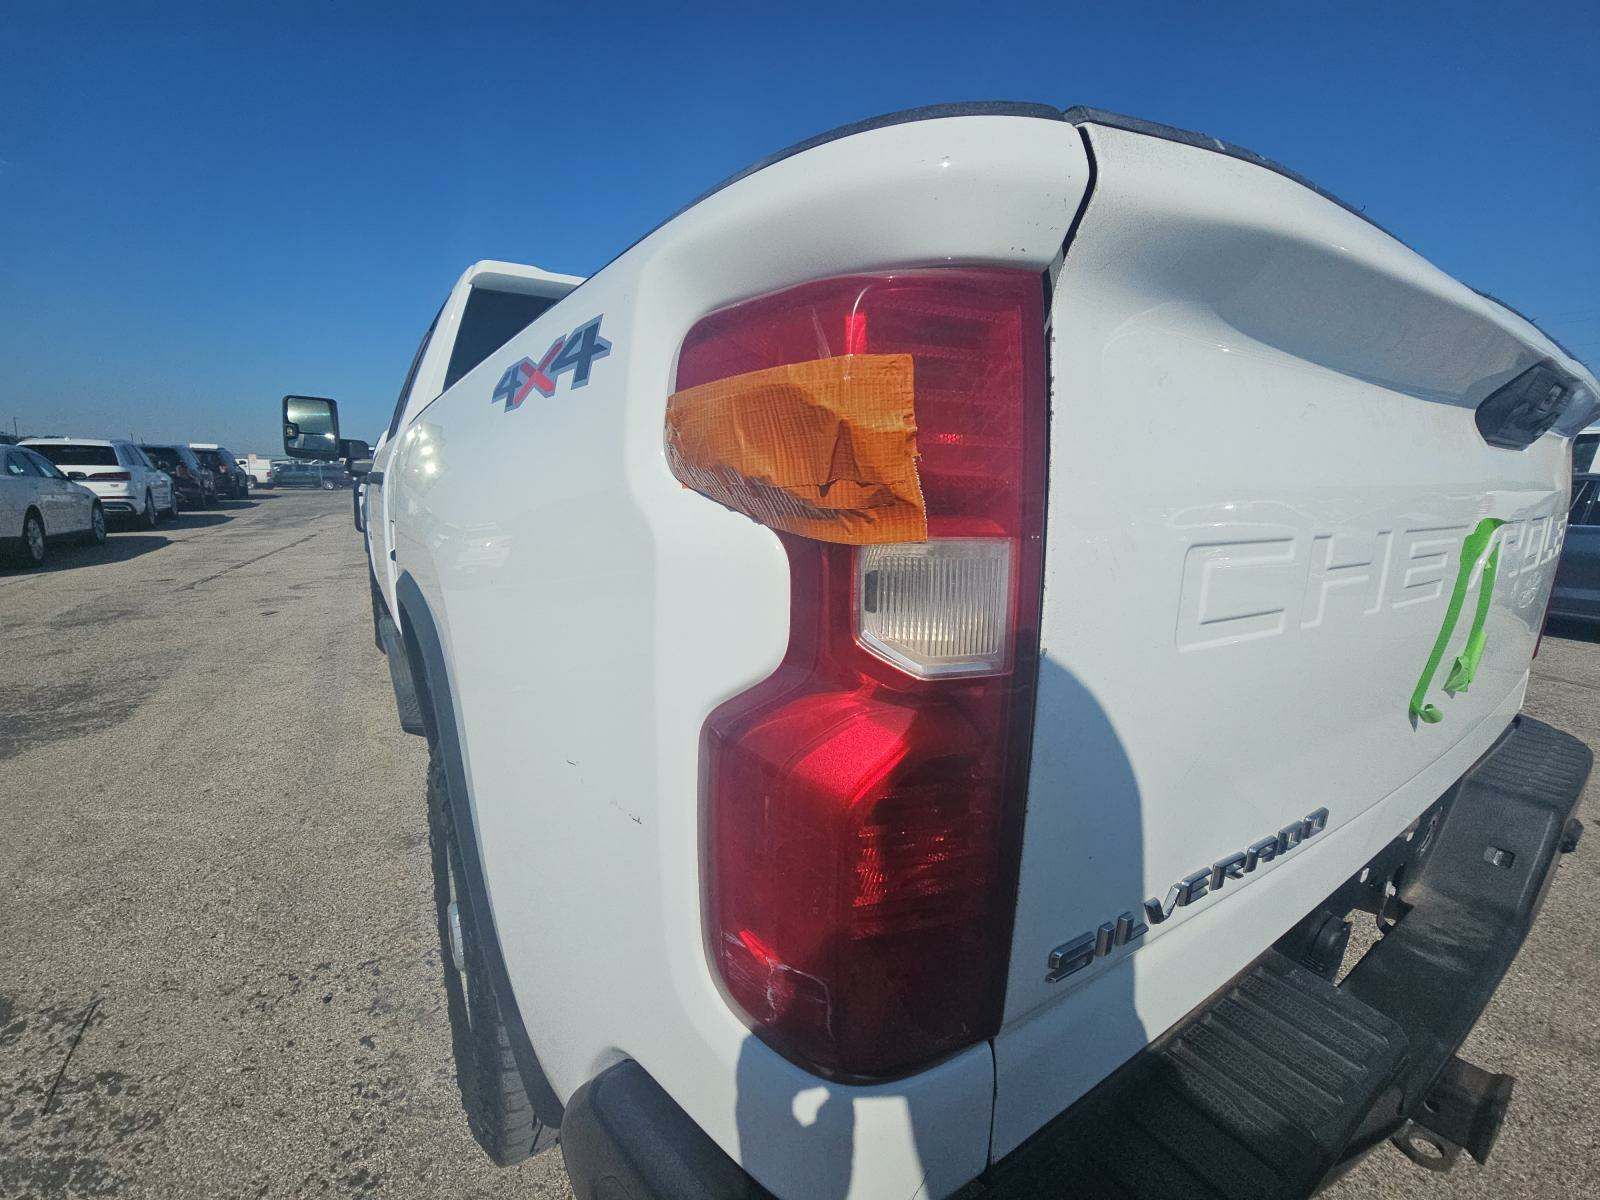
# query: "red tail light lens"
[[111, 475], [863, 804]]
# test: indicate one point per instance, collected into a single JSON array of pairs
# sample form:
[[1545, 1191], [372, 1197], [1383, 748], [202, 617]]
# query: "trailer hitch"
[[1463, 1111]]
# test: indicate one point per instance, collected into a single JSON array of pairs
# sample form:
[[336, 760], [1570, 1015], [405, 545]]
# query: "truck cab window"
[[490, 321], [411, 375], [1583, 510], [1583, 448]]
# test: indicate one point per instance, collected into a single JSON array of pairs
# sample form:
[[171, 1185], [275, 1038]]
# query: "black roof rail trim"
[[906, 116], [1078, 115], [1517, 312], [928, 112], [1082, 114]]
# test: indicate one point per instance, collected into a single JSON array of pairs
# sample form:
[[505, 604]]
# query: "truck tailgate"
[[1264, 468]]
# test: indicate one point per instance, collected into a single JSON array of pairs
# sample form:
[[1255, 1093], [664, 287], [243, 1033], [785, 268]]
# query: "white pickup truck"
[[924, 654]]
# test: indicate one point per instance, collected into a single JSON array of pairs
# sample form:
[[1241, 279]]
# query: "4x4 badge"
[[575, 352]]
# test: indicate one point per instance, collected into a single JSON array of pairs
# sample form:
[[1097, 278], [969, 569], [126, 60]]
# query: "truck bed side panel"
[[596, 611]]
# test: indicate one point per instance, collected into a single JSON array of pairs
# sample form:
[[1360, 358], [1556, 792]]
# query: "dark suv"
[[1576, 594], [232, 482], [195, 484]]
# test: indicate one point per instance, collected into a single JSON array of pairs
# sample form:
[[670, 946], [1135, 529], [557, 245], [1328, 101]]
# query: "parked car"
[[232, 483], [196, 484], [897, 729], [329, 477], [1583, 450], [117, 471], [39, 505], [1577, 591]]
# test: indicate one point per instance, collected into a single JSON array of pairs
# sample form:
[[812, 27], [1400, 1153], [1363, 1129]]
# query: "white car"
[[38, 505], [924, 653], [118, 472]]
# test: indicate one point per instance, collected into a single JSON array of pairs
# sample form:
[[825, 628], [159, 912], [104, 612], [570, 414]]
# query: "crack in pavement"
[[88, 1016], [287, 546]]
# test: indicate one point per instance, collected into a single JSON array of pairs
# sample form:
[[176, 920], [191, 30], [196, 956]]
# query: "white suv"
[[118, 472]]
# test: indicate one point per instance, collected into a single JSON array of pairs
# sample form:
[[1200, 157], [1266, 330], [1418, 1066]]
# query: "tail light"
[[111, 475], [863, 805]]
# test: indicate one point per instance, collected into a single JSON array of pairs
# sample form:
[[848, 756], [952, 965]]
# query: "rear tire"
[[499, 1112], [95, 535], [32, 547], [147, 515]]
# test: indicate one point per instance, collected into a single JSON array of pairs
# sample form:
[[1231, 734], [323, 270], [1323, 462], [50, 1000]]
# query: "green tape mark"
[[1466, 664]]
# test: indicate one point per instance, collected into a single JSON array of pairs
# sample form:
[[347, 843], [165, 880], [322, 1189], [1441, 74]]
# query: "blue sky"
[[201, 210]]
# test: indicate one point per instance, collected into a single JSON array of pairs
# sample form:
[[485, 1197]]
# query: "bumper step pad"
[[1283, 1078], [1254, 1098]]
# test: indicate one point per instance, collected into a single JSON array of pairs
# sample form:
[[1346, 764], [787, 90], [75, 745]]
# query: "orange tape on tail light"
[[825, 449]]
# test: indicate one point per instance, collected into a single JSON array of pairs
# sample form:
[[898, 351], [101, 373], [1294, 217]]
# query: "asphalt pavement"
[[221, 976], [218, 966]]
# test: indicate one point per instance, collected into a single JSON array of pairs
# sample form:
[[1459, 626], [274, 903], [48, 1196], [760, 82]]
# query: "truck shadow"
[[1082, 863]]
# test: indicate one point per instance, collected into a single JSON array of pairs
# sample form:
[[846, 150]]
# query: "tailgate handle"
[[1466, 664]]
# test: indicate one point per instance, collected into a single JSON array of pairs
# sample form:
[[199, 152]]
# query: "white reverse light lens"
[[936, 608]]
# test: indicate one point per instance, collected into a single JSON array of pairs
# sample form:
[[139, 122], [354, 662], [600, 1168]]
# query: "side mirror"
[[311, 428], [355, 452]]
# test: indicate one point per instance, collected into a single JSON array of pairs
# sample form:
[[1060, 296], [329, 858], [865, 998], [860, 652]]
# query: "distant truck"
[[257, 468], [923, 655]]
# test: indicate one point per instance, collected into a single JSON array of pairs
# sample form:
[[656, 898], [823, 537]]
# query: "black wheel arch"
[[425, 650]]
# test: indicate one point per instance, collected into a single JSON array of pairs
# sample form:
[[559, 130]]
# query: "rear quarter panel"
[[594, 612]]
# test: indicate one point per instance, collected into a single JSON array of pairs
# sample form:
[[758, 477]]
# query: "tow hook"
[[1571, 835], [1462, 1111]]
